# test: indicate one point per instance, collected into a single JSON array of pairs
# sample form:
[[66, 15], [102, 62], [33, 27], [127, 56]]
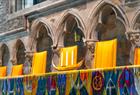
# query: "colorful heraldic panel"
[[137, 79], [112, 82]]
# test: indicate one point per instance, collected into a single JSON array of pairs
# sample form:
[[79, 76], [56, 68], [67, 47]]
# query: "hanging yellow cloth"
[[39, 62], [3, 71], [17, 70], [68, 56], [105, 54], [137, 56], [68, 59]]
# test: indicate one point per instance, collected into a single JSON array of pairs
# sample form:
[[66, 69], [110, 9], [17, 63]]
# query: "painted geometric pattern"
[[112, 82]]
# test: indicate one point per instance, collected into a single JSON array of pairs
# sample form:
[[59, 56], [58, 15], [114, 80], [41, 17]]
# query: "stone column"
[[90, 53], [28, 62], [134, 37]]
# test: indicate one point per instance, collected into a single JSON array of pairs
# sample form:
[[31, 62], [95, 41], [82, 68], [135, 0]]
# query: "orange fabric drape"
[[17, 70], [105, 54], [137, 56], [3, 71], [39, 62]]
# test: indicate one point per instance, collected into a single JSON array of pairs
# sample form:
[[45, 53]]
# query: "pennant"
[[27, 85], [97, 83], [88, 84], [41, 88], [68, 83], [4, 87], [137, 79], [1, 83], [78, 87], [61, 84], [19, 86], [34, 85], [51, 85], [11, 86], [126, 83], [71, 78], [111, 78]]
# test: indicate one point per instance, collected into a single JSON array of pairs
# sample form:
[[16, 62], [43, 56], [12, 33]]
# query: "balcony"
[[97, 81]]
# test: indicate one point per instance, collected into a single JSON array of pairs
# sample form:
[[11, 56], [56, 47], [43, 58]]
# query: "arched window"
[[73, 34], [44, 43], [110, 26], [5, 55], [20, 56]]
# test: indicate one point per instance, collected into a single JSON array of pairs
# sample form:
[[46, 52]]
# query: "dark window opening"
[[20, 53], [110, 28], [5, 55], [44, 43], [73, 35]]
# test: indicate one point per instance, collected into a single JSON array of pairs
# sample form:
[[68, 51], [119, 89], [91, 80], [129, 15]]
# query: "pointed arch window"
[[111, 25], [73, 34], [20, 56], [5, 55], [44, 42]]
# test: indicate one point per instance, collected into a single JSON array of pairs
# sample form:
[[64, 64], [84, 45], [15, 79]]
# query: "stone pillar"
[[28, 62], [134, 37], [90, 53]]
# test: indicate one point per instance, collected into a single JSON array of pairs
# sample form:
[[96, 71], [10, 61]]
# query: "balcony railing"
[[118, 81]]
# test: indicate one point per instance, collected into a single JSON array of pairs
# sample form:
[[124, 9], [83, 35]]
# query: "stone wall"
[[4, 11], [5, 24]]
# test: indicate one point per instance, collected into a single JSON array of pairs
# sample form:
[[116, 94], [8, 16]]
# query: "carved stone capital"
[[28, 58], [90, 53], [134, 37], [29, 54], [91, 45], [13, 61]]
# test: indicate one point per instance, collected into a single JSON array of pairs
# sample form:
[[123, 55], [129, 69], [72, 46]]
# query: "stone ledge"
[[36, 8]]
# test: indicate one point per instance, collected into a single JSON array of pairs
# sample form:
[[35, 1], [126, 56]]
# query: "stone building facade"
[[52, 24]]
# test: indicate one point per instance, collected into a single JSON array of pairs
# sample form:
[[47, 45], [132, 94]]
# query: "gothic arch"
[[136, 21], [108, 21], [71, 13], [35, 29], [119, 12], [18, 52], [42, 38], [71, 31], [4, 54]]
